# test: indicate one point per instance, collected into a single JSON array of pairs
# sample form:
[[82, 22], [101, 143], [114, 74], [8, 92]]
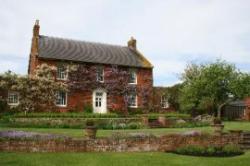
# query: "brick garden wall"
[[134, 144]]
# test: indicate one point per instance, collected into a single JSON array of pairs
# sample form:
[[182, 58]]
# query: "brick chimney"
[[33, 61], [36, 29], [132, 43]]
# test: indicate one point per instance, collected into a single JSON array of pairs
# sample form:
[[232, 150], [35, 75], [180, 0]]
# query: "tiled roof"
[[238, 103], [82, 51]]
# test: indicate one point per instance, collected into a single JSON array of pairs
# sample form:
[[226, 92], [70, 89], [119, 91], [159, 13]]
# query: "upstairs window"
[[62, 73], [99, 74], [13, 98], [61, 98], [164, 102], [132, 77], [132, 100]]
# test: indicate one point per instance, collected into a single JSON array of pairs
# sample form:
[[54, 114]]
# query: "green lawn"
[[119, 159], [104, 133]]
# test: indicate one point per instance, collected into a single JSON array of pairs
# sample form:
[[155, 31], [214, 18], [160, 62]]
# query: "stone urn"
[[90, 130], [218, 129], [218, 126], [145, 120], [162, 120]]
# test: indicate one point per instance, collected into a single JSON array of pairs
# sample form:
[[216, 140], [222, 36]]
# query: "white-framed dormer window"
[[100, 74], [164, 101], [132, 100], [13, 98], [132, 77], [62, 73], [61, 98]]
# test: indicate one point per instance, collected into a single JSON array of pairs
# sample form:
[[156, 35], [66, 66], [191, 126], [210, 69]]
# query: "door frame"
[[103, 108]]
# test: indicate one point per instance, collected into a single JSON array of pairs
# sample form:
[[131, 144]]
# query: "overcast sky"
[[170, 33]]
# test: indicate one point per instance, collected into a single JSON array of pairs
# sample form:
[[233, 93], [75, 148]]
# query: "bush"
[[3, 106], [190, 125], [195, 150], [88, 109]]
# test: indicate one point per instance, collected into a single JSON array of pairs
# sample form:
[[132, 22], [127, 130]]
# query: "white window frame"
[[59, 74], [164, 102], [100, 68], [66, 98], [132, 72], [135, 102], [13, 103]]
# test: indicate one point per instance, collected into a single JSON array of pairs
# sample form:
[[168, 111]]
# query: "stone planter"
[[218, 129], [162, 120], [90, 132], [145, 121]]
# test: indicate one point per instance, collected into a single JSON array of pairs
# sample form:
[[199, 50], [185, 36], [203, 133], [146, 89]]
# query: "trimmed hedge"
[[195, 150]]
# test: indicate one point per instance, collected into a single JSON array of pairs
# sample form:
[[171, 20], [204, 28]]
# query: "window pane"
[[61, 98], [61, 72], [13, 98], [99, 74], [132, 77], [132, 100]]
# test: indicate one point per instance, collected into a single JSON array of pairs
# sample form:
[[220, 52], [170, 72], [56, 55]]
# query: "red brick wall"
[[158, 92], [247, 110], [76, 100]]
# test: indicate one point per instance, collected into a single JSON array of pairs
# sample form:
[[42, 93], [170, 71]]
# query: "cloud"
[[170, 33]]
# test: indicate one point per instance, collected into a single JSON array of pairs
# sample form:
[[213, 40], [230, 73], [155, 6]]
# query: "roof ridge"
[[84, 41]]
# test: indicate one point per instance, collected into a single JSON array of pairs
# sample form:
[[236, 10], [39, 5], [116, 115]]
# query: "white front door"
[[99, 101]]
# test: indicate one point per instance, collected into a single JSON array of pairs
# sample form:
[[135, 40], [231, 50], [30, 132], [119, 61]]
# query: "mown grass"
[[106, 133], [118, 159]]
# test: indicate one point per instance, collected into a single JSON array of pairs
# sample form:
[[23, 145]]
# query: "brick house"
[[160, 100], [100, 59]]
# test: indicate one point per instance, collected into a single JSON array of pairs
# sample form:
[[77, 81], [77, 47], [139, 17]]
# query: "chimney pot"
[[36, 29], [132, 43]]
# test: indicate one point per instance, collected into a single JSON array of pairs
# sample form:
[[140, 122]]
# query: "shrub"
[[88, 109], [134, 125], [232, 149], [195, 150], [3, 106]]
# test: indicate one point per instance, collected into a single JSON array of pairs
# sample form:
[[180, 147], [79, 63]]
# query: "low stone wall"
[[132, 144]]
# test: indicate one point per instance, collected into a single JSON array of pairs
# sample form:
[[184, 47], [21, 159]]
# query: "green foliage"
[[241, 86], [3, 106], [173, 115], [88, 109], [37, 93], [190, 125], [63, 115], [195, 150], [207, 86], [134, 111]]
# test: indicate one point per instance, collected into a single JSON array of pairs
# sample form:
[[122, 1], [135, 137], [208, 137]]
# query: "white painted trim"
[[103, 108], [103, 74], [66, 101], [67, 73], [133, 83], [18, 98], [136, 103]]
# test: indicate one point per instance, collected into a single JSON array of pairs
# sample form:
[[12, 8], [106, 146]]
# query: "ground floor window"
[[164, 102], [13, 98], [61, 98], [132, 100]]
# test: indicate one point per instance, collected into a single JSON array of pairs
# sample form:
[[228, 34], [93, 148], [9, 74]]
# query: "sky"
[[170, 33]]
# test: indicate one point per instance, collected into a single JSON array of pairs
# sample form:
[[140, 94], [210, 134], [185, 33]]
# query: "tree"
[[241, 86], [208, 87], [173, 95], [37, 93]]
